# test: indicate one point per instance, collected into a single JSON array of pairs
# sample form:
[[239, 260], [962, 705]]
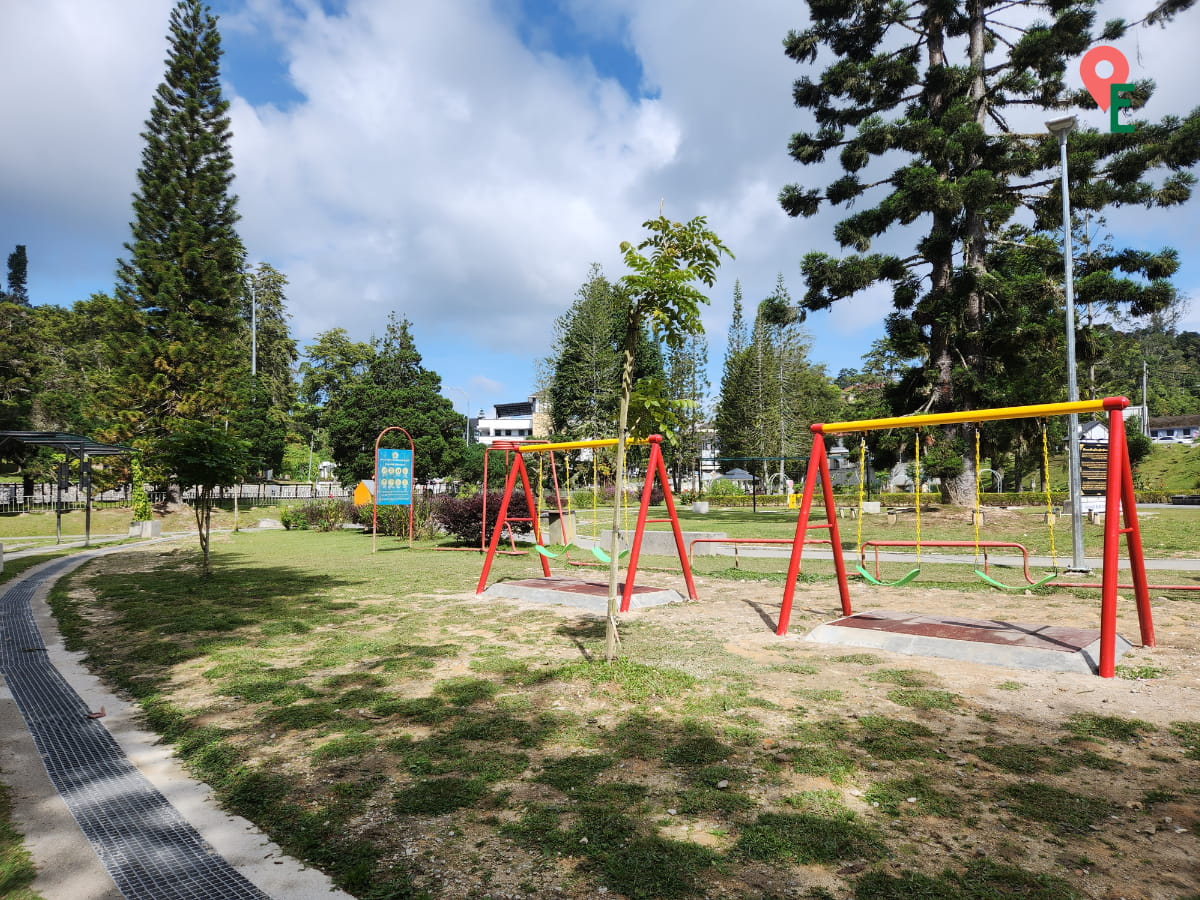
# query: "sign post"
[[393, 482]]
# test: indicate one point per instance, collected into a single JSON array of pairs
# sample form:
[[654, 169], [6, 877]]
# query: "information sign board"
[[393, 478], [1093, 469]]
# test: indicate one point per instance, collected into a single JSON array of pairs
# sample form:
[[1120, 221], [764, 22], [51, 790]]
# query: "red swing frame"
[[655, 469]]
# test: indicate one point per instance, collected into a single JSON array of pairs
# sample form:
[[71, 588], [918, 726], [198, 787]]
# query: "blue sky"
[[463, 163]]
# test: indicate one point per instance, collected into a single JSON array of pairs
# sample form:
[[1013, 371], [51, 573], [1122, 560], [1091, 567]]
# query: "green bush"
[[137, 492], [290, 517], [318, 515], [721, 488], [393, 520]]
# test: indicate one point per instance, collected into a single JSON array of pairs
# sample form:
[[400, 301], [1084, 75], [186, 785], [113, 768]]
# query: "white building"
[[1174, 429], [525, 421]]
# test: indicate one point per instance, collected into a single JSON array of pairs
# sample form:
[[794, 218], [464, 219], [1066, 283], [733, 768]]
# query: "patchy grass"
[[925, 698], [1142, 672], [16, 866], [1065, 811], [1086, 726], [807, 839], [1188, 734], [387, 726], [981, 880], [915, 794]]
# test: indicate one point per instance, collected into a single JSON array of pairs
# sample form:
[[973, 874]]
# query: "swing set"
[[981, 547], [518, 470], [1120, 507], [565, 515]]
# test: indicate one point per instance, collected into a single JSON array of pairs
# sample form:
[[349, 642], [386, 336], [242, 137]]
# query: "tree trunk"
[[612, 638]]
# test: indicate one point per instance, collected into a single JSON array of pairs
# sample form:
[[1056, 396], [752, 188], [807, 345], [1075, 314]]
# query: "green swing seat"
[[1014, 587], [595, 551], [902, 580], [550, 554]]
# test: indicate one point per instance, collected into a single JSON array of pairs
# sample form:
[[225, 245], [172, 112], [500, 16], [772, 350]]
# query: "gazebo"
[[73, 446]]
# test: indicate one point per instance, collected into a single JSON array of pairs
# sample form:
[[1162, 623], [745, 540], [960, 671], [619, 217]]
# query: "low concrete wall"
[[662, 543]]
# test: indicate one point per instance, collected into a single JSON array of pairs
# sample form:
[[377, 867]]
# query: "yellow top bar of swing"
[[577, 445], [1035, 411]]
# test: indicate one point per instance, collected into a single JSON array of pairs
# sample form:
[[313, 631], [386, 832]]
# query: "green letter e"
[[1116, 101]]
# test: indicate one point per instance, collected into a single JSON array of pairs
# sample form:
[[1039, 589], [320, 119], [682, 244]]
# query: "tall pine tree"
[[585, 382], [735, 420], [178, 357], [930, 84], [18, 274]]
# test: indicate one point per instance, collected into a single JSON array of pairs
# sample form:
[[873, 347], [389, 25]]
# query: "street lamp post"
[[1060, 128]]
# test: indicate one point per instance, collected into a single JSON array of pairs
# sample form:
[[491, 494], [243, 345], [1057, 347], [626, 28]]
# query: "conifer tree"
[[585, 382], [393, 389], [687, 385], [935, 82], [734, 422], [181, 286], [18, 274]]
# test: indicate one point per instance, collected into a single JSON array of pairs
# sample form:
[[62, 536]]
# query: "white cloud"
[[431, 164]]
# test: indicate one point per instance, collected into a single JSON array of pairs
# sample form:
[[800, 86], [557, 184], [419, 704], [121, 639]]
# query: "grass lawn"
[[1165, 532], [37, 529], [413, 740]]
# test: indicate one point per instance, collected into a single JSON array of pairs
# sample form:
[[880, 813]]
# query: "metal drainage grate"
[[147, 847]]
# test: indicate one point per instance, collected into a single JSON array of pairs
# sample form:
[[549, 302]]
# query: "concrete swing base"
[[589, 595], [1050, 648]]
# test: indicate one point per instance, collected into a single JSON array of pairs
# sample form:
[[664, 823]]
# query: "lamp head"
[[1061, 126]]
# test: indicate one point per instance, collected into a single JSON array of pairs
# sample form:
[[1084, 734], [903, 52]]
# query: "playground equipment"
[[1119, 499], [862, 464], [655, 469], [978, 519]]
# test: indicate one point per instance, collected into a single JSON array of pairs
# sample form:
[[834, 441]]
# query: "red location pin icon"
[[1097, 85]]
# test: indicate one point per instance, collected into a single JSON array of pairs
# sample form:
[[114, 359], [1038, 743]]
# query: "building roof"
[[513, 410], [1172, 421], [61, 440]]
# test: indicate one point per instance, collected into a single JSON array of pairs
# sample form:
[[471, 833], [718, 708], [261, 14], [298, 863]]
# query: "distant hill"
[[1171, 467]]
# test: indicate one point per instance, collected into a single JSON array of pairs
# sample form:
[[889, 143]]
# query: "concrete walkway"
[[106, 810]]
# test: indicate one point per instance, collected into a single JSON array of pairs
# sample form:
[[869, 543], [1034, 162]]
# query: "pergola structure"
[[72, 446]]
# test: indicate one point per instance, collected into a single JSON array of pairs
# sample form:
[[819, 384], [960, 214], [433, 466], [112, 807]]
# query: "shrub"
[[290, 517], [393, 520], [722, 487], [319, 515], [463, 518]]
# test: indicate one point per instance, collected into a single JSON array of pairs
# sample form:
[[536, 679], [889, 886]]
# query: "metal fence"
[[46, 496]]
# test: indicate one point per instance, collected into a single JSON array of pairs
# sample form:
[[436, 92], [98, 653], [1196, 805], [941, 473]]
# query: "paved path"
[[147, 847]]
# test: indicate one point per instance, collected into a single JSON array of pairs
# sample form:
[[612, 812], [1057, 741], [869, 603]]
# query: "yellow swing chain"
[[1046, 489], [540, 495], [917, 474], [862, 477], [978, 499], [596, 496]]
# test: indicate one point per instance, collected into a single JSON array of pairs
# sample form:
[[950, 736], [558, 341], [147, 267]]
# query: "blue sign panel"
[[393, 478]]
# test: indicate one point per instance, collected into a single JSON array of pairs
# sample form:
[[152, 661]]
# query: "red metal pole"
[[684, 558], [1112, 534], [531, 502], [635, 548], [815, 462], [656, 468], [839, 561], [491, 553], [1133, 535]]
